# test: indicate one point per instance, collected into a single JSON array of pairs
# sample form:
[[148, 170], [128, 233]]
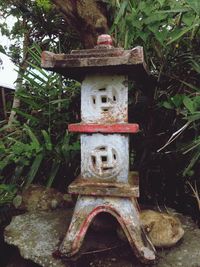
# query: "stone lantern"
[[105, 183]]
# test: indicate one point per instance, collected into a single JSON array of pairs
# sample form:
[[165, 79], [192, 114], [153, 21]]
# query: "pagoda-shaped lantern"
[[105, 183]]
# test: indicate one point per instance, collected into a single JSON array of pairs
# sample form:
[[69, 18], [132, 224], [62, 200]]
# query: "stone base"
[[97, 187], [124, 210], [38, 235]]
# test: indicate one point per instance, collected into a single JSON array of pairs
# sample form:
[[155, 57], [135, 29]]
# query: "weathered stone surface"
[[97, 187], [163, 229], [94, 58], [37, 235], [98, 60]]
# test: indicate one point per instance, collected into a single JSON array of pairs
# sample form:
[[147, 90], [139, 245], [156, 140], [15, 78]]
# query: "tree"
[[33, 25], [22, 68], [91, 15]]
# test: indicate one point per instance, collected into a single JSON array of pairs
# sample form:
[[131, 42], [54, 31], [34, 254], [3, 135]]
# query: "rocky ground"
[[38, 235]]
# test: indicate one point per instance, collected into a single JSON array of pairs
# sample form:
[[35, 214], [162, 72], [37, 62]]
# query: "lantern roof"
[[104, 58]]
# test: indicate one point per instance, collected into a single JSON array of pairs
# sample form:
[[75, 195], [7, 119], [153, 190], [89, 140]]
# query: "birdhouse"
[[105, 183]]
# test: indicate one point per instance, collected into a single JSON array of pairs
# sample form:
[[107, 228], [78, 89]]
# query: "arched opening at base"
[[104, 222], [102, 235]]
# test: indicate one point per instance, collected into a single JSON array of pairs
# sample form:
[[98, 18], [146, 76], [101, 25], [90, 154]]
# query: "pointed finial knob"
[[104, 40]]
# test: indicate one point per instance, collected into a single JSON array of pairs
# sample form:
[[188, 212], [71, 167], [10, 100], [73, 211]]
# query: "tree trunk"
[[4, 103], [87, 17]]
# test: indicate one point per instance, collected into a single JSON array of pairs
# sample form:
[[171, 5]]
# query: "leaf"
[[177, 100], [126, 39], [2, 49], [161, 36], [45, 4], [133, 22], [34, 169], [143, 35], [194, 117], [161, 2], [31, 80], [195, 5], [192, 146], [188, 103], [36, 75], [194, 159], [5, 187], [58, 101], [120, 14], [196, 102], [167, 105], [40, 70], [146, 8], [176, 34], [195, 65], [177, 10], [31, 103], [190, 85], [75, 146], [35, 52], [188, 18], [47, 139], [53, 172], [155, 18], [25, 115], [7, 193], [32, 136]]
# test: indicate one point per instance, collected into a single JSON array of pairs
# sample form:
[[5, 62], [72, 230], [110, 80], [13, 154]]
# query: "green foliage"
[[160, 22], [45, 4], [38, 20], [7, 193], [169, 32], [40, 148], [188, 106]]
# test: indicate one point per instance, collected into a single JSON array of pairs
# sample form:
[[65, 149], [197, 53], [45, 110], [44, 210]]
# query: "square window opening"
[[104, 158], [94, 161], [104, 99]]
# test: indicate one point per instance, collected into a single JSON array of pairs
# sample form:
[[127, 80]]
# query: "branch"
[[174, 136]]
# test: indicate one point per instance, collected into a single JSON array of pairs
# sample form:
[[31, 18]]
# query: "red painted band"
[[105, 42], [104, 128]]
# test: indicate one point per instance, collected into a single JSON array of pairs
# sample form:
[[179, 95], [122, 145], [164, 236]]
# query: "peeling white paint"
[[105, 156], [104, 98]]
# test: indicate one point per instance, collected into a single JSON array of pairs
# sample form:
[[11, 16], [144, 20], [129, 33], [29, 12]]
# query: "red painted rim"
[[104, 128]]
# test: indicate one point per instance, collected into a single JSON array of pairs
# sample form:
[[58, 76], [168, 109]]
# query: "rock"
[[38, 235], [37, 197], [163, 229]]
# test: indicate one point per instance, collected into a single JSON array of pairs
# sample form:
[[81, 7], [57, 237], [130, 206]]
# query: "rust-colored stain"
[[113, 60], [84, 214], [109, 187]]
